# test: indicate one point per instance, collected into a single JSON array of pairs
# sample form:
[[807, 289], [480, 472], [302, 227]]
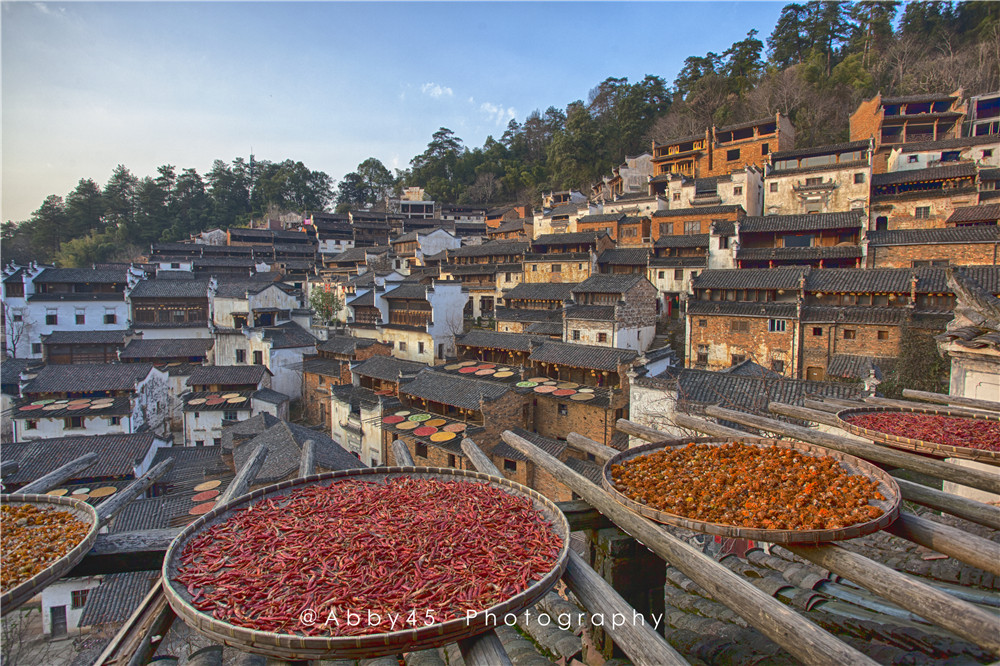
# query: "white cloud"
[[497, 113], [435, 91]]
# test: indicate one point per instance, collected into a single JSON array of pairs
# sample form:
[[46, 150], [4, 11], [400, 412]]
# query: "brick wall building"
[[692, 221], [922, 198], [820, 240], [331, 366], [564, 257], [827, 179]]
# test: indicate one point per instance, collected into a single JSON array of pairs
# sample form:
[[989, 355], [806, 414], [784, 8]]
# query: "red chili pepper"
[[980, 434]]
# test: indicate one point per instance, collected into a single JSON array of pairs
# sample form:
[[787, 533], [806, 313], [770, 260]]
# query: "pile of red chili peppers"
[[949, 430], [440, 548]]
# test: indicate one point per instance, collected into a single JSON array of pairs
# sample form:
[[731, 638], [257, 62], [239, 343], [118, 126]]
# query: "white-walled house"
[[278, 348], [421, 321], [222, 394], [169, 308], [240, 303], [91, 399], [39, 300]]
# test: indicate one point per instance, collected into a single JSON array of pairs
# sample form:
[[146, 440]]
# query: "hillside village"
[[720, 268]]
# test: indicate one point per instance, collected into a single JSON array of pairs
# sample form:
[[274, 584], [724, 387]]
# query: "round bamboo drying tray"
[[853, 465], [919, 445], [15, 597], [291, 646]]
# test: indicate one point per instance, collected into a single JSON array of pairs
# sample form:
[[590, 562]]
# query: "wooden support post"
[[401, 453], [906, 404], [968, 509], [484, 650], [987, 481], [940, 398], [55, 478], [964, 547], [245, 477], [799, 636], [632, 571], [133, 644], [821, 406], [479, 459], [637, 639], [712, 428], [652, 435], [110, 507], [960, 617], [8, 468], [307, 461], [125, 551]]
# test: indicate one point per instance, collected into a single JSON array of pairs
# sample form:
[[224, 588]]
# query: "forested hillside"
[[818, 63]]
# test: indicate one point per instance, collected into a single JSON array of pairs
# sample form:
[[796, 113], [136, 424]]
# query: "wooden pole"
[[245, 477], [974, 478], [977, 512], [960, 617], [307, 460], [821, 406], [479, 459], [964, 547], [401, 453], [484, 650], [110, 507], [961, 401], [600, 451], [907, 404], [8, 467], [653, 435], [800, 637], [56, 477], [639, 641]]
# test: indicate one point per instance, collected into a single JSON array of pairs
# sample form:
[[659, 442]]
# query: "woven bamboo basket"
[[919, 445], [855, 466], [15, 597], [293, 647]]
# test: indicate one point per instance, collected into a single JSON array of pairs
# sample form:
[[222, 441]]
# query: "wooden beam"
[[401, 453], [110, 507], [821, 406], [638, 640], [951, 541], [799, 636], [8, 467], [712, 428], [245, 477], [601, 452], [484, 650], [907, 404], [654, 435], [479, 459], [960, 617], [125, 551], [974, 478], [133, 644], [55, 478], [307, 460], [961, 401]]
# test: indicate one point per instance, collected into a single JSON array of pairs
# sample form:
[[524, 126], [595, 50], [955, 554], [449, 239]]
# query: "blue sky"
[[87, 86]]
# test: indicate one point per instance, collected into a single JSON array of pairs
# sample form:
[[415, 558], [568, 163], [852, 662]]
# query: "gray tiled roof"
[[241, 288], [741, 309], [609, 283], [455, 390], [583, 356], [960, 170], [491, 248], [983, 213], [857, 367], [511, 225], [753, 393], [232, 375], [345, 345], [694, 240], [412, 291], [750, 369], [387, 368], [587, 468], [116, 456], [708, 210], [117, 597], [499, 340], [750, 278], [288, 335], [678, 262], [630, 256], [850, 280], [574, 238], [88, 377], [749, 123], [777, 223], [799, 253], [85, 337], [271, 396], [284, 443], [83, 275], [10, 371], [820, 150], [566, 209], [945, 144], [541, 291], [527, 315], [964, 234], [913, 99], [167, 348], [546, 328], [855, 314], [172, 288], [606, 217]]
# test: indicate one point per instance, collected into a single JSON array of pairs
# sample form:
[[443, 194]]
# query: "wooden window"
[[859, 178], [817, 330], [922, 212], [737, 191], [563, 410], [51, 319], [78, 598], [737, 359], [702, 358], [702, 323], [110, 318], [778, 366], [73, 422], [451, 460], [602, 337], [576, 334], [31, 424], [664, 228], [765, 149], [678, 273], [776, 325], [850, 334], [241, 355], [692, 227], [883, 335], [509, 465], [557, 268], [230, 415], [115, 420], [733, 155], [421, 449], [773, 187], [739, 326], [402, 345], [80, 318]]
